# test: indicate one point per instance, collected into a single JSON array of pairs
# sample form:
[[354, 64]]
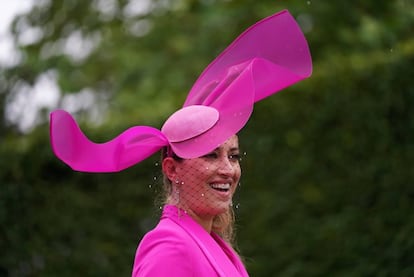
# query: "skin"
[[204, 186]]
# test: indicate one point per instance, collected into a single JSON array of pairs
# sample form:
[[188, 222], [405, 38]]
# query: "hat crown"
[[189, 122]]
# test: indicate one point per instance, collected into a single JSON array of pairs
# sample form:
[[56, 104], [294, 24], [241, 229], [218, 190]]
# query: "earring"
[[177, 196]]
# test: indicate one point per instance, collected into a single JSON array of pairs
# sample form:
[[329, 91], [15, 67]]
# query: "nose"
[[226, 167]]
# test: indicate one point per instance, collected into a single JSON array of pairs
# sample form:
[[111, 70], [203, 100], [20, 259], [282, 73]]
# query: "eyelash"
[[210, 155], [233, 157]]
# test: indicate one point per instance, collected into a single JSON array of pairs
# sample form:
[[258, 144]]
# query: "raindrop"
[[237, 205], [155, 178], [202, 194], [391, 50], [150, 186], [308, 2], [156, 164]]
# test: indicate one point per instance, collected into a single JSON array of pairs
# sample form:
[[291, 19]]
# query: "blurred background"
[[328, 183]]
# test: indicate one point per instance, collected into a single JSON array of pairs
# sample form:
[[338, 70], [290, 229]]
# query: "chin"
[[222, 208]]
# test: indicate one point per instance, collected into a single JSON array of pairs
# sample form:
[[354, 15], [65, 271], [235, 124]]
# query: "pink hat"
[[268, 57]]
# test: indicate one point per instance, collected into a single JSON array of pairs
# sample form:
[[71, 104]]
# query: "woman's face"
[[206, 185]]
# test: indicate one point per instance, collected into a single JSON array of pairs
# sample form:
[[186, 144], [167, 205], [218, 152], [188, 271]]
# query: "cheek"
[[236, 177], [237, 171], [194, 175]]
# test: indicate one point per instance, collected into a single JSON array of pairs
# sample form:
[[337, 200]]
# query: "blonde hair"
[[223, 225]]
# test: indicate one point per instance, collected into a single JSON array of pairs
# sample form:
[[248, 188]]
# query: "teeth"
[[220, 186]]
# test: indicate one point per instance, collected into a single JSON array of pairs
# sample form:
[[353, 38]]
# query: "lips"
[[224, 187]]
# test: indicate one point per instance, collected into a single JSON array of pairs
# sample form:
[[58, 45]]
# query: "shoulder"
[[162, 249], [167, 234]]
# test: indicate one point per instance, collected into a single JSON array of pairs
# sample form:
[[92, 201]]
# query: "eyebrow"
[[231, 149]]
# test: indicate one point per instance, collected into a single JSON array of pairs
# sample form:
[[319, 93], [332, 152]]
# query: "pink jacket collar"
[[221, 256]]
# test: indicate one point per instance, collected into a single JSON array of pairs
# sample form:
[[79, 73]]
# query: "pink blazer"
[[179, 246]]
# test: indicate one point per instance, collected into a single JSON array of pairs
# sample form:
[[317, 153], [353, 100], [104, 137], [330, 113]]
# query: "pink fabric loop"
[[277, 39], [76, 150], [235, 104]]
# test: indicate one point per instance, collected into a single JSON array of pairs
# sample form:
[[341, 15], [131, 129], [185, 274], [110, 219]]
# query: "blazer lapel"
[[221, 257]]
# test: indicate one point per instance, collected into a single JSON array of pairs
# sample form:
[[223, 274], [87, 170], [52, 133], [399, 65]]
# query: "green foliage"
[[340, 181], [327, 179]]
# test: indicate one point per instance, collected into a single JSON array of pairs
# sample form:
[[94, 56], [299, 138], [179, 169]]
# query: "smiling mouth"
[[221, 187]]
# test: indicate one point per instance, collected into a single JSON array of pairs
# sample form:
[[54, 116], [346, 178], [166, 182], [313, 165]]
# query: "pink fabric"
[[268, 57], [76, 150], [280, 45], [179, 246], [190, 122]]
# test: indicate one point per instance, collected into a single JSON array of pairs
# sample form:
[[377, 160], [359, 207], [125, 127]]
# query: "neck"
[[205, 221]]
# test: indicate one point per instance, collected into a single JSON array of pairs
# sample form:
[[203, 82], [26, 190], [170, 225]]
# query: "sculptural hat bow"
[[268, 57]]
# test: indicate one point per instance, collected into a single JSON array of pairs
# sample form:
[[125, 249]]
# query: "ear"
[[169, 168]]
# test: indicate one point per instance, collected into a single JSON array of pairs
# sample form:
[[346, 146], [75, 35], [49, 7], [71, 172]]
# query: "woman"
[[200, 161], [194, 235]]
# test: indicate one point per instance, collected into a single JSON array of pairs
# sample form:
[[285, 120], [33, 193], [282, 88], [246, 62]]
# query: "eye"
[[212, 155], [235, 157]]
